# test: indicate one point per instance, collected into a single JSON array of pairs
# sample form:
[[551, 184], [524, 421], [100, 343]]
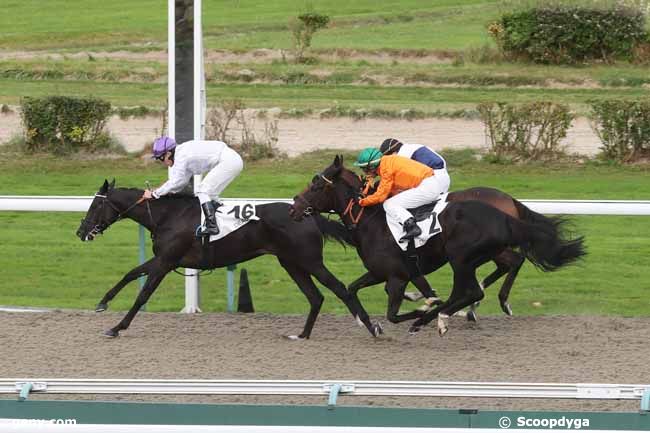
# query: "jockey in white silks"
[[193, 157]]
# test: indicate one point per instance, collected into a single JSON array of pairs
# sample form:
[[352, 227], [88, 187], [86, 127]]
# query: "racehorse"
[[172, 222], [508, 262], [473, 233]]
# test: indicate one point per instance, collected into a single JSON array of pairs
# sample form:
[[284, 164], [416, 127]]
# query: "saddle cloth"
[[427, 219], [232, 216]]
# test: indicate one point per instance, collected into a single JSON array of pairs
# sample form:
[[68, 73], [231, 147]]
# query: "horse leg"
[[134, 273], [367, 280], [517, 261], [349, 298], [156, 275], [395, 288], [466, 291], [430, 295], [503, 266], [311, 292]]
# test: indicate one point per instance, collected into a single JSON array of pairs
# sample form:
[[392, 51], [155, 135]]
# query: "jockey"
[[422, 154], [193, 157], [410, 183]]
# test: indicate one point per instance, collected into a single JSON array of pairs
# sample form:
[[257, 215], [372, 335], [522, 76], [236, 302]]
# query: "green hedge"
[[623, 128], [566, 35], [525, 131], [62, 124]]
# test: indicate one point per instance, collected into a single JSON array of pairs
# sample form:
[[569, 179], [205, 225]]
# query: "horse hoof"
[[413, 296], [442, 324], [506, 308], [111, 333], [294, 337], [414, 329], [377, 329], [433, 301], [101, 307], [472, 317]]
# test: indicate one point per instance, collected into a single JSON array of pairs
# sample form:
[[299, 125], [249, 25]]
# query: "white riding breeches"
[[427, 191], [443, 179], [229, 166]]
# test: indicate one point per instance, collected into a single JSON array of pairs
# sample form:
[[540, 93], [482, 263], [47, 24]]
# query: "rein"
[[348, 211], [121, 214]]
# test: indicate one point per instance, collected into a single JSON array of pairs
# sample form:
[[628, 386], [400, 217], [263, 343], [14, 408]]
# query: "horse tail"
[[333, 230], [530, 216], [544, 241]]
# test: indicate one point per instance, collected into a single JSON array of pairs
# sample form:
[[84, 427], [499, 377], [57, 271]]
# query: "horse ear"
[[338, 161], [104, 187], [112, 185]]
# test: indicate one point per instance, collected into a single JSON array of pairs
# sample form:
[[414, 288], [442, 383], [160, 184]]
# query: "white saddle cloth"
[[429, 226], [233, 216]]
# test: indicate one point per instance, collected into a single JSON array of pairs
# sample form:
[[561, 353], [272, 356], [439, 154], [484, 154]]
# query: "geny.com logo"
[[549, 423]]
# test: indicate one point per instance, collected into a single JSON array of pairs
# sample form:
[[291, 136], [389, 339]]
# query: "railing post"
[[230, 278]]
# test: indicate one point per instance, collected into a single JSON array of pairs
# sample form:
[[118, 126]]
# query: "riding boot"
[[210, 228], [411, 230]]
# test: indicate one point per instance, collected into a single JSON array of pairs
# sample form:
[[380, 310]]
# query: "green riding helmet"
[[369, 158]]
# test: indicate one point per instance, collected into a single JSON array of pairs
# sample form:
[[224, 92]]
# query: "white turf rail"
[[573, 207], [319, 387]]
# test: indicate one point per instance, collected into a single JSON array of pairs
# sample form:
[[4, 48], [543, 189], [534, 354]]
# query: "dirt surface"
[[68, 344], [297, 136], [260, 55]]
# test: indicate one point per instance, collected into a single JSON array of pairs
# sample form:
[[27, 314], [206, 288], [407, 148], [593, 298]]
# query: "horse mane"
[[176, 196]]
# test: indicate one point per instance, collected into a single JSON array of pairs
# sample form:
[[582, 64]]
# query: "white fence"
[[316, 387], [569, 207]]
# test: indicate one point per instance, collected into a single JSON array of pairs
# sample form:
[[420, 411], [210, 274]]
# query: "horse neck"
[[126, 198], [343, 195]]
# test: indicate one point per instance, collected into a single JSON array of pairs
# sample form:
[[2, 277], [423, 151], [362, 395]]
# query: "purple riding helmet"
[[162, 145]]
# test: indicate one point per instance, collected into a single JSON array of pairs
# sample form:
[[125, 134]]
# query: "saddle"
[[423, 212]]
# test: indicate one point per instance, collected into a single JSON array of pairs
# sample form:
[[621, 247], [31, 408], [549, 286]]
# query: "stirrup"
[[203, 231]]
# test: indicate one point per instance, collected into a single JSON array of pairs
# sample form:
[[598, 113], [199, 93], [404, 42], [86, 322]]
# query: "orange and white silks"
[[397, 174]]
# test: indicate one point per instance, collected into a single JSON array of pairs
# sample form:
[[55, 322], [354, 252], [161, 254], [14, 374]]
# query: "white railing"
[[318, 387], [568, 207]]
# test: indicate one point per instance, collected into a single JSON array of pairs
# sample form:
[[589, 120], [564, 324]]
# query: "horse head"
[[101, 214], [326, 190]]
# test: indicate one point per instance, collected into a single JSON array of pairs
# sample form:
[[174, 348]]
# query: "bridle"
[[309, 208], [349, 209], [100, 227]]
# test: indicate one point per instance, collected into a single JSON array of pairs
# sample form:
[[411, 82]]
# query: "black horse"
[[508, 263], [473, 233], [172, 222]]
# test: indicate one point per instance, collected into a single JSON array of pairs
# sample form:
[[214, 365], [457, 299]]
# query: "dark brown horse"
[[172, 222], [508, 262], [473, 233]]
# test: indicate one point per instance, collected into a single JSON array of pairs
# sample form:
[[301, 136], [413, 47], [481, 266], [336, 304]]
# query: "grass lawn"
[[314, 96], [46, 265], [236, 24]]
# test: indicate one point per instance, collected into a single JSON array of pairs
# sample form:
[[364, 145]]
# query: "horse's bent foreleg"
[[156, 275], [395, 289], [311, 292], [134, 273], [366, 280]]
